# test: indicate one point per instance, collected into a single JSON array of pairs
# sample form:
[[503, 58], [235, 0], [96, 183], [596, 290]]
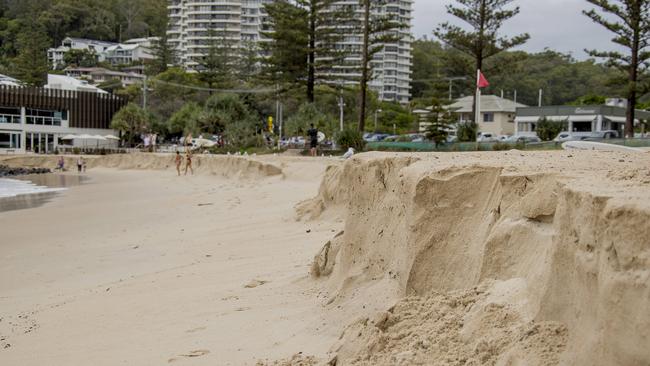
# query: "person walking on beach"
[[313, 139], [80, 163], [61, 164], [179, 161], [188, 162]]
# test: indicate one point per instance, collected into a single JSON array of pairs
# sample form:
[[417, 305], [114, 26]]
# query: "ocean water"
[[31, 191], [16, 187]]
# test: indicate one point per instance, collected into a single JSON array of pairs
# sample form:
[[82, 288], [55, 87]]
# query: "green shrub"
[[501, 146], [351, 138], [548, 130], [467, 132]]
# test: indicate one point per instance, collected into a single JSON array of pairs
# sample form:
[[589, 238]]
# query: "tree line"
[[303, 50]]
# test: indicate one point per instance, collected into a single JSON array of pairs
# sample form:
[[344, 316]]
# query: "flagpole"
[[478, 97]]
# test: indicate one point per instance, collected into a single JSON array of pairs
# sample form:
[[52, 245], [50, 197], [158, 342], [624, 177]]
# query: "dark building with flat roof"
[[35, 119]]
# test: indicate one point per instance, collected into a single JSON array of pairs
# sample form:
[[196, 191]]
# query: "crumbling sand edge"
[[227, 166], [579, 255]]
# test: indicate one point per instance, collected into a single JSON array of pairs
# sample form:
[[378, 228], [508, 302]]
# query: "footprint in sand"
[[256, 283], [195, 330], [191, 354]]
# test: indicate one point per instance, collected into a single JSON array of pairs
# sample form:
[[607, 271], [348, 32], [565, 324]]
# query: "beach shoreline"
[[256, 260]]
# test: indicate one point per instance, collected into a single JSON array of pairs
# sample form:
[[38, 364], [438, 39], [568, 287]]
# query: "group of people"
[[81, 164], [188, 162]]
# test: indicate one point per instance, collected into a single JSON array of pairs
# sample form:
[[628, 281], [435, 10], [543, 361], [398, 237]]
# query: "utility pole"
[[376, 112], [341, 106], [451, 84], [541, 93], [144, 93]]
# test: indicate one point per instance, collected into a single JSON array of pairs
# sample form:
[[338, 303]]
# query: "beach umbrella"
[[98, 137], [69, 137], [111, 137]]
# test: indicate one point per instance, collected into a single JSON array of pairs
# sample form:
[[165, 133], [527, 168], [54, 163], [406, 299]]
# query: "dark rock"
[[6, 171]]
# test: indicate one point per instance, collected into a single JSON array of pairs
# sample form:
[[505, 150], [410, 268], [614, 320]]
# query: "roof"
[[142, 41], [85, 69], [69, 83], [585, 110], [8, 80], [489, 103], [89, 41], [117, 73], [126, 47]]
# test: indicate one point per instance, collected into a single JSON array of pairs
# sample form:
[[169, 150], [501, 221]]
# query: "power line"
[[235, 91]]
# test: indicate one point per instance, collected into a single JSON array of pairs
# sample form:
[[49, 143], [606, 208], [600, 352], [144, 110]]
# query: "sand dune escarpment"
[[488, 262], [227, 166]]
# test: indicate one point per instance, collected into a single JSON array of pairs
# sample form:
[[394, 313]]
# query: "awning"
[[535, 119]]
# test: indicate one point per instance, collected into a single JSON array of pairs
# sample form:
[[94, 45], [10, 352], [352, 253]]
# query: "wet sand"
[[34, 200]]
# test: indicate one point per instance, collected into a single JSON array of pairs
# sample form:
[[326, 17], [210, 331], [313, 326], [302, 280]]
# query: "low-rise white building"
[[56, 55], [125, 54], [148, 42], [132, 51], [594, 120], [497, 114], [98, 75]]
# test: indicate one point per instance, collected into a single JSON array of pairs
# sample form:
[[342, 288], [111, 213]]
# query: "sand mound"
[[559, 249], [460, 327], [228, 166]]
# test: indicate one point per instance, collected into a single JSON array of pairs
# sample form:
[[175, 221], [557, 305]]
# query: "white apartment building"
[[391, 78], [191, 20], [243, 20]]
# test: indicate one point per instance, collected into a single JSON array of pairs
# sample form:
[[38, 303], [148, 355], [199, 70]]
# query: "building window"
[[9, 115], [488, 117], [9, 140], [44, 117]]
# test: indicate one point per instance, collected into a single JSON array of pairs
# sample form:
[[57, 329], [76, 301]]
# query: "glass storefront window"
[[9, 140], [5, 141], [45, 118]]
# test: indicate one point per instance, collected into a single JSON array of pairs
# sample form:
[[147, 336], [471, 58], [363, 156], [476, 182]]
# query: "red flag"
[[481, 81]]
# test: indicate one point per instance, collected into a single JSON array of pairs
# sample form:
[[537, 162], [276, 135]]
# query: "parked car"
[[376, 137], [580, 136], [486, 137], [523, 139], [417, 137]]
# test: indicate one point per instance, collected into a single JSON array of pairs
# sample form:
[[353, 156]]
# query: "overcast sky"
[[556, 24]]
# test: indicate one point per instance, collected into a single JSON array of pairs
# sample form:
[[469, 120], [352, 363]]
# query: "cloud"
[[555, 24]]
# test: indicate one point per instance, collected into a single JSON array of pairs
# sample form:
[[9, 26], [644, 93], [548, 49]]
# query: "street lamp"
[[376, 112]]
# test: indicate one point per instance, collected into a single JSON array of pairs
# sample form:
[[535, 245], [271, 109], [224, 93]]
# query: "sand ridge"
[[568, 228], [505, 258]]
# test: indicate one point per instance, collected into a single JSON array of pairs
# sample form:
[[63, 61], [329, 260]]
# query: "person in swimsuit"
[[179, 161], [188, 162], [313, 139]]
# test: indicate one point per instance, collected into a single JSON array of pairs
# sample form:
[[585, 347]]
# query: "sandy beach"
[[387, 259]]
